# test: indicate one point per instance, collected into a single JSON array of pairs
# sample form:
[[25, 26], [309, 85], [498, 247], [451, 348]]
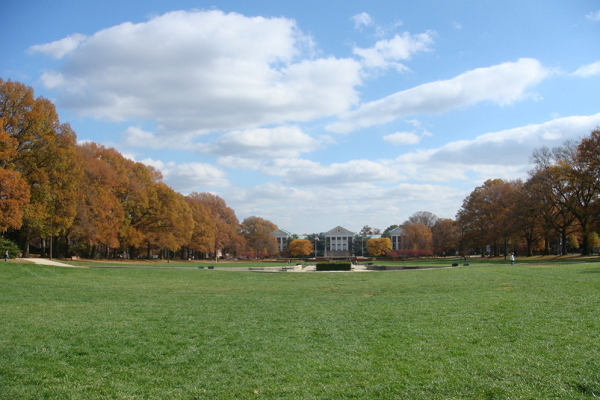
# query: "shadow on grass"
[[591, 271]]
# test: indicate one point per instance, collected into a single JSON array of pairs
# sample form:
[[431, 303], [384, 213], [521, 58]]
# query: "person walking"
[[512, 258], [6, 255]]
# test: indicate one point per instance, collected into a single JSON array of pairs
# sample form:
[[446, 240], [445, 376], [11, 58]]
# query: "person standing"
[[512, 258], [6, 255]]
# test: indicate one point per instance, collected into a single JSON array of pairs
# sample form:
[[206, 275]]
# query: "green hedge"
[[13, 249], [334, 266]]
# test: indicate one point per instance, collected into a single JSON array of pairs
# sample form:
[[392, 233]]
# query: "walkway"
[[45, 261]]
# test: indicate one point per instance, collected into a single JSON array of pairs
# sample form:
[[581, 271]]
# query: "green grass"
[[439, 261], [477, 332]]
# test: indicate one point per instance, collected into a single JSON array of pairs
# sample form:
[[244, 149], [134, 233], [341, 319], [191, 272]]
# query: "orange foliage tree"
[[45, 158], [379, 246], [258, 233], [300, 248]]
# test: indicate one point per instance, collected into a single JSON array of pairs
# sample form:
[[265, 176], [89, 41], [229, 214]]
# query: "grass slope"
[[477, 332]]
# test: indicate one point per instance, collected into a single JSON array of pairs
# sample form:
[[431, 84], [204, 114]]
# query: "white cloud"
[[239, 162], [59, 48], [594, 16], [504, 154], [189, 177], [588, 70], [362, 19], [135, 136], [356, 205], [402, 138], [501, 84], [306, 172], [202, 71], [283, 141], [53, 80], [387, 53]]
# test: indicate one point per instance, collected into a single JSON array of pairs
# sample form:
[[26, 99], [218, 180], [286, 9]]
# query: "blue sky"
[[316, 114]]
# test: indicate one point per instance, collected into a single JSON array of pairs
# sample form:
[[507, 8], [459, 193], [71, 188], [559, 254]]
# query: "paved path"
[[308, 268], [45, 261]]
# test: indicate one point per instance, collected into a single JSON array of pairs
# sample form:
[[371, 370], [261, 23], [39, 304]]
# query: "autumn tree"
[[204, 233], [527, 214], [359, 241], [258, 233], [225, 223], [14, 190], [379, 246], [593, 241], [422, 217], [555, 218], [14, 197], [300, 248], [570, 174], [419, 236], [368, 231], [45, 158], [444, 235], [588, 172], [484, 216], [170, 221], [100, 213]]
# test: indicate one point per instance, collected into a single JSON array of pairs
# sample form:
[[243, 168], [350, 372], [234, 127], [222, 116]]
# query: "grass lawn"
[[475, 332]]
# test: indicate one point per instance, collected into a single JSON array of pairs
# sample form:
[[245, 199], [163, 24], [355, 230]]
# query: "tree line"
[[85, 199], [424, 234], [554, 211]]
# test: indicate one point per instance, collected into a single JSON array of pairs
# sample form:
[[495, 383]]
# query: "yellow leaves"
[[379, 247], [300, 247]]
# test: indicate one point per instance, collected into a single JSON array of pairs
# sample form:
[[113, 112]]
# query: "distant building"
[[282, 237], [339, 243], [398, 237]]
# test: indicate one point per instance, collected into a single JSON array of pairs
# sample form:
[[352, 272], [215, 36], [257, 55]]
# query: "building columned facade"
[[339, 241], [398, 237], [282, 237]]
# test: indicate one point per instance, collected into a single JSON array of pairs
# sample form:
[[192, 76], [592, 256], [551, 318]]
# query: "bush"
[[13, 249], [334, 266]]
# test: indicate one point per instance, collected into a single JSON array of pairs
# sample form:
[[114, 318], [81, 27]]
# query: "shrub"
[[13, 249], [334, 266]]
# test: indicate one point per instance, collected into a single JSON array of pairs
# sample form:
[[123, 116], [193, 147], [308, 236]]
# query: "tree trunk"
[[25, 244], [67, 246], [585, 243], [564, 242], [43, 252]]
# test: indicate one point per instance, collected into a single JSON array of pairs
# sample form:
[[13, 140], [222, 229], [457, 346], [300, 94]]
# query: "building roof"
[[281, 233], [339, 231], [397, 231]]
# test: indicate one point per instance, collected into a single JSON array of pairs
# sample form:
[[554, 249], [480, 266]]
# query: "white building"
[[339, 242], [282, 237], [398, 237]]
